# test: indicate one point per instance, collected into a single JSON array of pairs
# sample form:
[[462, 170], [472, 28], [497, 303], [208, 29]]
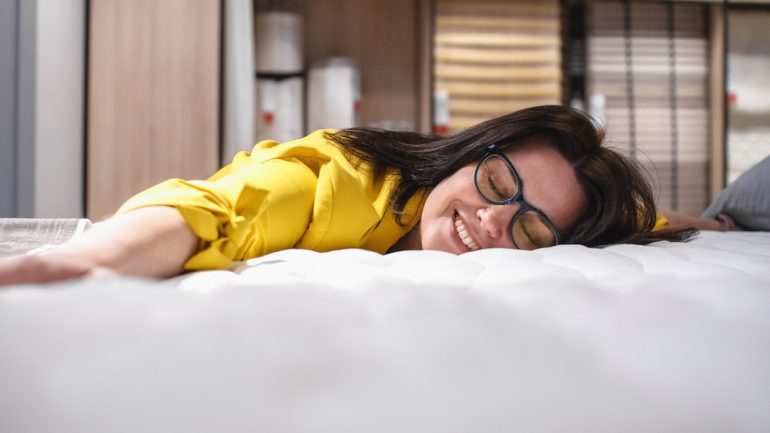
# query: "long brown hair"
[[620, 206]]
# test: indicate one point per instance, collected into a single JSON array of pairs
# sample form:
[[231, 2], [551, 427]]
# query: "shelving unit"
[[154, 104], [384, 37]]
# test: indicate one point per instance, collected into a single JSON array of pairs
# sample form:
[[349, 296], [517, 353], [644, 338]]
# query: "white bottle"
[[334, 94]]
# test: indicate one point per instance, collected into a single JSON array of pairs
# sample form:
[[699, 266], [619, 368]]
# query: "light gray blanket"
[[36, 235]]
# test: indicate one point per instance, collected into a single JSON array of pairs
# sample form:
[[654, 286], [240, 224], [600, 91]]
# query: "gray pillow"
[[747, 199]]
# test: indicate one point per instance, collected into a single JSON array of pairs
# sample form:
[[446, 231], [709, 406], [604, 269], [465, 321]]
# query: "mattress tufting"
[[667, 337]]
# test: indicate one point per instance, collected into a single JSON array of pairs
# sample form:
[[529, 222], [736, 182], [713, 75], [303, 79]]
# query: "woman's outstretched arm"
[[146, 242], [681, 220]]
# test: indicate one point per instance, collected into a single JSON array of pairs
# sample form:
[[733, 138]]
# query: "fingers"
[[40, 269], [9, 270], [101, 272], [727, 222]]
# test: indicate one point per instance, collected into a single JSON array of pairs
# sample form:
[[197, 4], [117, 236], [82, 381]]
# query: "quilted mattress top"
[[667, 337]]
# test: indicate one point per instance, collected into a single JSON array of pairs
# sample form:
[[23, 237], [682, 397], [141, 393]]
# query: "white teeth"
[[464, 235]]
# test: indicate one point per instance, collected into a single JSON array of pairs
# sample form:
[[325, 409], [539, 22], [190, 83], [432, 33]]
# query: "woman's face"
[[457, 219]]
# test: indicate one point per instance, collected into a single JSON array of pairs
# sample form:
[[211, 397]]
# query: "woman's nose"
[[495, 219]]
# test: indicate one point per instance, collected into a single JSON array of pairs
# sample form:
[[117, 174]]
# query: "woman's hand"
[[679, 220], [46, 269], [727, 223], [150, 242]]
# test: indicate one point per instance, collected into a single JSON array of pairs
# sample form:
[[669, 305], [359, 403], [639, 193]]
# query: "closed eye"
[[525, 231], [495, 189]]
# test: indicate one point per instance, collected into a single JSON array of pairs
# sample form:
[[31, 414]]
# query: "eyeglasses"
[[498, 183]]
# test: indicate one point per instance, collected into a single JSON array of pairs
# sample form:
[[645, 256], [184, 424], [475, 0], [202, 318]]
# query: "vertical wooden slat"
[[425, 65], [153, 96], [717, 99]]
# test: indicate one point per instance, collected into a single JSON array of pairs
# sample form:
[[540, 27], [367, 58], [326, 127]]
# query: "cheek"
[[571, 204], [457, 187], [432, 226], [440, 198], [456, 192], [432, 210]]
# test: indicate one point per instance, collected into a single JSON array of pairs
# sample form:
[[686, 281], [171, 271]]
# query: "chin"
[[437, 235], [431, 241], [439, 248], [436, 243]]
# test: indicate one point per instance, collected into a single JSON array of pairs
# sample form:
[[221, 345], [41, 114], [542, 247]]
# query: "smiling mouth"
[[463, 233]]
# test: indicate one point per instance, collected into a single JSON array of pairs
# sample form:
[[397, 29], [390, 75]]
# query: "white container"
[[279, 42], [597, 108], [334, 94], [280, 109], [441, 115]]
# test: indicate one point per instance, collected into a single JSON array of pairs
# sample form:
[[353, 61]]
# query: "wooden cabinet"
[[153, 96]]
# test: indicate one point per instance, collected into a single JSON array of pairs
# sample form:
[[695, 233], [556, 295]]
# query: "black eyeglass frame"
[[492, 150]]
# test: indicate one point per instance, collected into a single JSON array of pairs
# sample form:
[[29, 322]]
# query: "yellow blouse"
[[298, 194]]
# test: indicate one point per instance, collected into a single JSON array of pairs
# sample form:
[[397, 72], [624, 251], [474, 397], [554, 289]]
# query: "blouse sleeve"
[[247, 209]]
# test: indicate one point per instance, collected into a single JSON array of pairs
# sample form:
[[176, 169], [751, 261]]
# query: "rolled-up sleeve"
[[661, 222], [246, 210]]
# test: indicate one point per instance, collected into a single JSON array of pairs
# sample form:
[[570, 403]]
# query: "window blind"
[[648, 64], [493, 57]]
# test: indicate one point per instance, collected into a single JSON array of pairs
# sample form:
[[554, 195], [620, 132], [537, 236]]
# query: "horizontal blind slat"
[[651, 69], [493, 57]]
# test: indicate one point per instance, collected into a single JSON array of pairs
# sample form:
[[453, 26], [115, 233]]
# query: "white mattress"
[[665, 338]]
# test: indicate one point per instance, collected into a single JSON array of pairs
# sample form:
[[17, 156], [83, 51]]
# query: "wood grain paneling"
[[716, 101], [382, 36], [425, 29], [153, 105]]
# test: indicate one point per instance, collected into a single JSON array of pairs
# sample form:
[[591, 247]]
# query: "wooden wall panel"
[[383, 37], [426, 27], [153, 105], [716, 101]]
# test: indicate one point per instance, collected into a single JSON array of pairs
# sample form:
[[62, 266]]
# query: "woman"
[[530, 179]]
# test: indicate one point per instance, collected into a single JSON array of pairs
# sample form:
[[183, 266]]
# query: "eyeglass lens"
[[498, 183]]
